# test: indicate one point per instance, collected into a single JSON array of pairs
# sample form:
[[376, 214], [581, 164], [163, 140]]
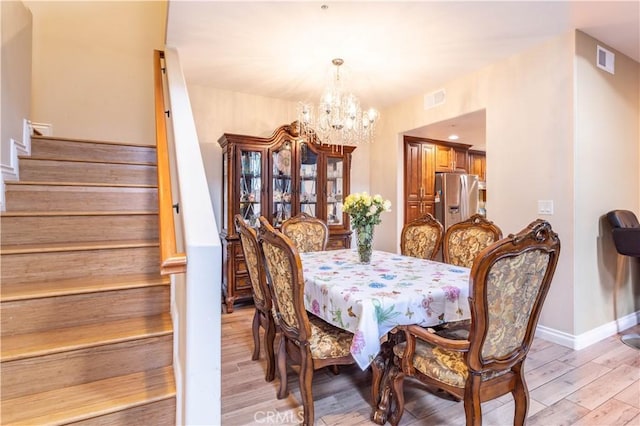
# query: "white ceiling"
[[392, 50]]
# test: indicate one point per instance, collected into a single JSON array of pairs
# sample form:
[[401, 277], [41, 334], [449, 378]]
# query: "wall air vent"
[[434, 99], [605, 59]]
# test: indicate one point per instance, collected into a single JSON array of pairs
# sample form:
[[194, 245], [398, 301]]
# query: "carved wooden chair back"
[[463, 241], [308, 233], [508, 285], [305, 338], [263, 316], [421, 237]]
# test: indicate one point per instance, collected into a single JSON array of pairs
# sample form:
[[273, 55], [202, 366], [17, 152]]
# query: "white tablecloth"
[[369, 300]]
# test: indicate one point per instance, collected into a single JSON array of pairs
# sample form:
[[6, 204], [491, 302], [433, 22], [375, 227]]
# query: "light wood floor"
[[597, 386]]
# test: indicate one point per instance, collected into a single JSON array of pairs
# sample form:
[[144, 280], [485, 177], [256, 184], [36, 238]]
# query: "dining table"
[[373, 298]]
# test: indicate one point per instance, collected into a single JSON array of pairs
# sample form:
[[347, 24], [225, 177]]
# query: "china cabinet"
[[278, 177]]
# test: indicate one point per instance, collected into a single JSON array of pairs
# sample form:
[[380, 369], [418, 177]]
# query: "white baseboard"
[[9, 172], [45, 129], [583, 340]]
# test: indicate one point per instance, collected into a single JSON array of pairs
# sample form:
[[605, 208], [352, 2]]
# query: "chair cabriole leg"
[[472, 406], [255, 327], [306, 380], [520, 397], [269, 337], [283, 391]]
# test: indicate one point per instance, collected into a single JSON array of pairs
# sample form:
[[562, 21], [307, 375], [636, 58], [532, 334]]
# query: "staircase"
[[86, 331]]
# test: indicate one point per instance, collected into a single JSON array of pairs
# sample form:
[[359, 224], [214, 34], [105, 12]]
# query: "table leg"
[[383, 369]]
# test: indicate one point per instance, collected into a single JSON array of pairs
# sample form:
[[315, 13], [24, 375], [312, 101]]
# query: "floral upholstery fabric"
[[512, 287], [281, 274], [251, 258], [327, 341], [465, 244], [420, 241], [441, 364], [306, 236]]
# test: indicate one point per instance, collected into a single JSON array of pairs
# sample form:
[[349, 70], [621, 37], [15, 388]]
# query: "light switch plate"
[[545, 207]]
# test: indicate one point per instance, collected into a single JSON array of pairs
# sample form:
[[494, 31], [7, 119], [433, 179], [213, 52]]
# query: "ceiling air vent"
[[434, 99], [606, 59]]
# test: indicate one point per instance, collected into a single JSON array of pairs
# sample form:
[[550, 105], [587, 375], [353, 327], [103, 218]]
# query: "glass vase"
[[364, 237]]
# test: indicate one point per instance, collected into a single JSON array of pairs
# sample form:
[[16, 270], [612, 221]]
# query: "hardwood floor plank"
[[634, 421], [621, 354], [503, 414], [583, 356], [606, 387], [546, 373], [562, 413], [612, 412], [630, 395], [554, 374], [557, 389]]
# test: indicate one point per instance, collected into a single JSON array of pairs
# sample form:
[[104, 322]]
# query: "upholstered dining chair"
[[464, 240], [508, 284], [263, 316], [421, 237], [307, 340], [308, 233]]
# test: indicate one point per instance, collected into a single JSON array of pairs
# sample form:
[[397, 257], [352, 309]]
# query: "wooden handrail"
[[170, 261]]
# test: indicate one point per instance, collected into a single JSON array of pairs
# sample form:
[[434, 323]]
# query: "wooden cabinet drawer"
[[243, 285], [336, 244]]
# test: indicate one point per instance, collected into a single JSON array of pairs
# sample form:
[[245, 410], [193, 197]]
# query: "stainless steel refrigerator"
[[456, 197]]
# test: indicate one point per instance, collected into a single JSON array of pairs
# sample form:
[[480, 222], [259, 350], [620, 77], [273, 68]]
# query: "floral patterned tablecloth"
[[369, 300]]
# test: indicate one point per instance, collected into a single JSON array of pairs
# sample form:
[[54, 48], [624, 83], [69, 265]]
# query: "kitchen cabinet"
[[419, 178], [477, 164], [422, 159], [451, 158], [278, 177]]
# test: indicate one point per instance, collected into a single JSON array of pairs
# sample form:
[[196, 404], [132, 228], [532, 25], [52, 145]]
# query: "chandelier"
[[338, 118]]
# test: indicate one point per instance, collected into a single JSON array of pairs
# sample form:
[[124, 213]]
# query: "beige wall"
[[607, 145], [15, 73], [532, 150], [219, 111], [93, 70]]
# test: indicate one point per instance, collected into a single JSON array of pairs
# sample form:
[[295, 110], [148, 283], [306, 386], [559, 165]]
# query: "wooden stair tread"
[[66, 339], [34, 290], [80, 402], [32, 213], [80, 160], [93, 142], [79, 246], [79, 184]]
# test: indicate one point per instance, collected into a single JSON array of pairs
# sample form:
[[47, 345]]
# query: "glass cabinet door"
[[282, 184], [251, 186], [335, 185], [308, 192]]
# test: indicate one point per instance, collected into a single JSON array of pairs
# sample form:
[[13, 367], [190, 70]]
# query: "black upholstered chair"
[[626, 237]]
